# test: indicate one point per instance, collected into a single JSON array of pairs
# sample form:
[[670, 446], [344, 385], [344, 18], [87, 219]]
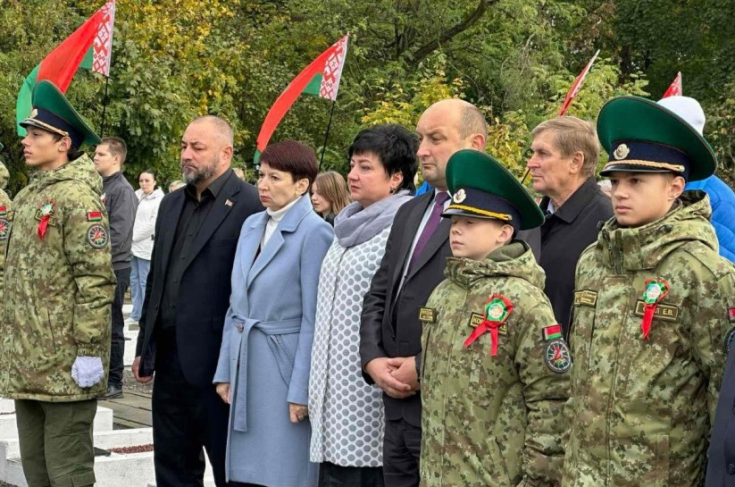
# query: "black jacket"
[[380, 334], [204, 295], [121, 204], [564, 235]]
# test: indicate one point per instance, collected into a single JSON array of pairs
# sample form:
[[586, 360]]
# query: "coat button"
[[731, 469], [239, 327]]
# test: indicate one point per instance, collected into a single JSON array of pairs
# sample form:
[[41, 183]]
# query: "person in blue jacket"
[[722, 197]]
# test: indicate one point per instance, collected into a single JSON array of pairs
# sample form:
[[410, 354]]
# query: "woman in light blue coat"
[[264, 363]]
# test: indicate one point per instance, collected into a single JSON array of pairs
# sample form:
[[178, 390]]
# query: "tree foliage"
[[515, 59]]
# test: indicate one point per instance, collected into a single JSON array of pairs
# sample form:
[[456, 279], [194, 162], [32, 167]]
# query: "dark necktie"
[[431, 225]]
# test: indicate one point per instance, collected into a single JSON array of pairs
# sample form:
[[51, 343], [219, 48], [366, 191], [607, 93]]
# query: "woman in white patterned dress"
[[346, 413]]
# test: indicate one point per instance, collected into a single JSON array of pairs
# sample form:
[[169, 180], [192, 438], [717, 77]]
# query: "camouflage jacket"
[[4, 209], [642, 408], [59, 288], [492, 420]]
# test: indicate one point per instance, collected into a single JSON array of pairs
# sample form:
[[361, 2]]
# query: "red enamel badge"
[[497, 310]]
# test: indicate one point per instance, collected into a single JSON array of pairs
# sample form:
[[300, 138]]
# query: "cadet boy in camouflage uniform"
[[59, 286], [495, 369], [650, 310]]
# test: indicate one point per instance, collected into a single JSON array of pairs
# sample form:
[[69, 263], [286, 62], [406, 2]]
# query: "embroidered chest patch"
[[585, 298], [427, 315]]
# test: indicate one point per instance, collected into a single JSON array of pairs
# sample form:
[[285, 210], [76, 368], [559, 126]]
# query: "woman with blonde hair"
[[329, 195]]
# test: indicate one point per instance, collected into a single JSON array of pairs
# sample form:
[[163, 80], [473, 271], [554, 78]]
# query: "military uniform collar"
[[633, 249]]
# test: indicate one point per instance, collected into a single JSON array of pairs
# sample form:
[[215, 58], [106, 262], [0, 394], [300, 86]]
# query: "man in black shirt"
[[186, 301], [564, 158]]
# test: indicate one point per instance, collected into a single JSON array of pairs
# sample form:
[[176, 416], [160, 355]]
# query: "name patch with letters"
[[663, 311], [476, 320], [427, 315], [586, 298]]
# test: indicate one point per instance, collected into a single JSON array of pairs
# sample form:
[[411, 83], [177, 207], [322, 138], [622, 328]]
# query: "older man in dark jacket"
[[563, 162]]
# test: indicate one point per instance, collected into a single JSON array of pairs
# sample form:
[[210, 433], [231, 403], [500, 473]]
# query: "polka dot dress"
[[346, 413]]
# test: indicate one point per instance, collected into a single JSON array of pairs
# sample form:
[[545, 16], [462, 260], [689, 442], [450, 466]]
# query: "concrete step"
[[114, 471], [9, 429]]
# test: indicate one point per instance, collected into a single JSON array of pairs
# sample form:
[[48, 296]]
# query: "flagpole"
[[326, 135], [104, 106], [525, 175]]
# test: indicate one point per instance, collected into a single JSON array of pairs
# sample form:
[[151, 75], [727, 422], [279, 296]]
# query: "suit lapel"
[[412, 227], [440, 236], [223, 204], [169, 228]]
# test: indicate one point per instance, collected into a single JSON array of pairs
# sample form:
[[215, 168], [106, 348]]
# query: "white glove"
[[87, 371]]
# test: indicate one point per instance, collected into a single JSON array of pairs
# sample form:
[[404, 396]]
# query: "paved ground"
[[133, 410]]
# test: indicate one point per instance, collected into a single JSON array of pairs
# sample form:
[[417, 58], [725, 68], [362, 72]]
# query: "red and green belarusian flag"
[[321, 78], [89, 47]]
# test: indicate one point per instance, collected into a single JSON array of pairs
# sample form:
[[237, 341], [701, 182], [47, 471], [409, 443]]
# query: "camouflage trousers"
[[56, 442]]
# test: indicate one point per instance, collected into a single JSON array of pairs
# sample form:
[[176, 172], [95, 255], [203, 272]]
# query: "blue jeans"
[[138, 278]]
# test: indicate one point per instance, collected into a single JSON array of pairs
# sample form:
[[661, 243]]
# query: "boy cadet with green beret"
[[652, 310], [58, 288], [495, 370]]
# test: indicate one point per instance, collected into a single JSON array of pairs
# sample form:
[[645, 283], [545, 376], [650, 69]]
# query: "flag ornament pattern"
[[333, 71], [103, 40]]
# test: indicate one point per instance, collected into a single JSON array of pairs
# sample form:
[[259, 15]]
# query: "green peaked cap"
[[53, 112], [641, 135], [482, 187]]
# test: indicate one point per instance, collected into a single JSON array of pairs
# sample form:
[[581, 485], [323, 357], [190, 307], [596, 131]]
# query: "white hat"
[[687, 108]]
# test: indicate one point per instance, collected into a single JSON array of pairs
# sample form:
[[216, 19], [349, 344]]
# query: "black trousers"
[[186, 419], [401, 454], [331, 475], [117, 352]]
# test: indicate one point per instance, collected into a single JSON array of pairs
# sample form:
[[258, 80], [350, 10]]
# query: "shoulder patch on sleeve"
[[557, 356], [4, 228], [97, 236]]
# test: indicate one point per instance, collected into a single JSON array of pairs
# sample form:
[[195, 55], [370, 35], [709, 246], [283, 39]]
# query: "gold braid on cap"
[[492, 214], [636, 162], [35, 122]]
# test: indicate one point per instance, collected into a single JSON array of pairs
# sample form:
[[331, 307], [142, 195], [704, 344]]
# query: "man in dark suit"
[[413, 265], [186, 299]]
